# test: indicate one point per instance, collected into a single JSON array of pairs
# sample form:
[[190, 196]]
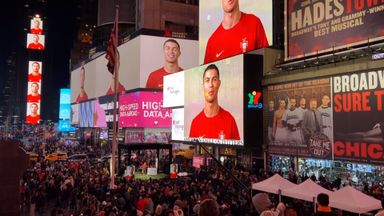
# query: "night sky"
[[60, 29]]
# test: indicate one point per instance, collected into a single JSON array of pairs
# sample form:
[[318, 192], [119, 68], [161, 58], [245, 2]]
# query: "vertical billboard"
[[314, 27], [144, 60], [143, 109], [243, 25], [34, 92], [75, 110], [358, 100], [300, 118], [65, 107], [99, 115]]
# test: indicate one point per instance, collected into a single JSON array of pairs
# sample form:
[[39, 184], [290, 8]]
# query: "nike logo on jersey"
[[219, 54]]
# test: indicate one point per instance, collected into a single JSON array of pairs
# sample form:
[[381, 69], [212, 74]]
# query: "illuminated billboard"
[[65, 96], [313, 27], [140, 58], [143, 109], [34, 71], [65, 111], [36, 26], [213, 103], [33, 113], [65, 107], [339, 116], [99, 116], [228, 28], [300, 118], [222, 102], [35, 41], [86, 112], [358, 123], [65, 126], [75, 109], [34, 92]]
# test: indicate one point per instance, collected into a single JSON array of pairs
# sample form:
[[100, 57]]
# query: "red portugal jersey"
[[247, 35], [34, 78], [31, 98], [155, 78], [33, 119], [36, 31], [120, 88], [37, 46], [221, 126], [82, 98]]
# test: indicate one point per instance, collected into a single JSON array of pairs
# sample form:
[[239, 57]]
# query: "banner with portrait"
[[300, 118]]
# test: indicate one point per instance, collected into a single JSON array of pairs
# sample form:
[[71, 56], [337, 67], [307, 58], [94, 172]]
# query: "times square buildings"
[[310, 101]]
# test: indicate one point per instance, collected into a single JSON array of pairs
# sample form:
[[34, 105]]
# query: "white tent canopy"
[[307, 190], [273, 184], [352, 200]]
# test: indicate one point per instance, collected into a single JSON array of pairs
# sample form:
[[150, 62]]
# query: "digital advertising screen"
[[99, 115], [35, 41], [174, 92], [178, 124], [35, 69], [64, 111], [34, 92], [65, 96], [65, 107], [142, 61], [105, 104], [340, 117], [253, 28], [33, 113], [300, 118], [86, 114], [83, 82], [313, 27], [65, 126], [36, 26], [213, 102], [143, 109], [75, 109]]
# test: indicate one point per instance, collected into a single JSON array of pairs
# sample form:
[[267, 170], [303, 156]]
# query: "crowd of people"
[[82, 188]]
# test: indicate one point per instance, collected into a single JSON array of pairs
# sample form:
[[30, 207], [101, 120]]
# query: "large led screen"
[[75, 109], [35, 69], [314, 27], [99, 115], [213, 107], [143, 109], [86, 114], [34, 92], [35, 41], [144, 61], [228, 28]]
